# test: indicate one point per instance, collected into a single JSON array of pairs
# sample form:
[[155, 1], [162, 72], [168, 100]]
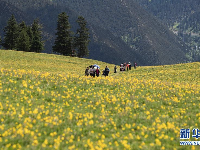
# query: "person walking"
[[129, 66], [124, 66], [121, 67], [115, 69], [97, 72], [92, 73], [135, 65], [87, 71], [106, 71]]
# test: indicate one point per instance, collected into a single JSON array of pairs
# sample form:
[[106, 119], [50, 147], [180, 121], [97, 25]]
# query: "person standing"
[[129, 66], [124, 66], [97, 72], [115, 69], [92, 73], [87, 71], [121, 67], [106, 71], [135, 65]]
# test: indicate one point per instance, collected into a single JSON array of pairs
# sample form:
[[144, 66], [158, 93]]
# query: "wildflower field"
[[46, 102]]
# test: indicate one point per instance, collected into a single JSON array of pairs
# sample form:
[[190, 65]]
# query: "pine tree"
[[11, 34], [23, 41], [63, 41], [82, 38], [22, 26], [30, 34], [37, 45]]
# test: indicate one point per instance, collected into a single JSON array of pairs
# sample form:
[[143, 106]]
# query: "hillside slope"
[[140, 30], [46, 103], [56, 64], [104, 45], [128, 34], [170, 11], [182, 17], [6, 10]]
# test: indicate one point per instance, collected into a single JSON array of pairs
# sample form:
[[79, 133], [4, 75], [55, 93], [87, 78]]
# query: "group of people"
[[127, 66], [94, 70]]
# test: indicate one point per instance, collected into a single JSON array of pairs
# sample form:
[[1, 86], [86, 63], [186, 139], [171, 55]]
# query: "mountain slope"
[[104, 45], [148, 37], [121, 31], [182, 17], [6, 10], [170, 11]]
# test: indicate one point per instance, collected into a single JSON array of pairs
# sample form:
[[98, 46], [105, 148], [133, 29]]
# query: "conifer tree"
[[11, 34], [23, 43], [37, 44], [22, 26], [30, 34], [63, 41], [82, 38]]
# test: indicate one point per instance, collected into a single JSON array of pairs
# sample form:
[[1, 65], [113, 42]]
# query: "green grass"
[[56, 64], [46, 102]]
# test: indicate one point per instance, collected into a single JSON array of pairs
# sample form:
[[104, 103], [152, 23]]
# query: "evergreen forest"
[[21, 37]]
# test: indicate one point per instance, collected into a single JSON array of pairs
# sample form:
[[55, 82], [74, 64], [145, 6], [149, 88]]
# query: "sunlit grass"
[[51, 106], [56, 64]]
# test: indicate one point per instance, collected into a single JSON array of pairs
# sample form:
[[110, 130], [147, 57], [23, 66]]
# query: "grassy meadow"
[[46, 102]]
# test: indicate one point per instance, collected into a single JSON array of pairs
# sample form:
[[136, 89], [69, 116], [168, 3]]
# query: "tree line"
[[22, 37]]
